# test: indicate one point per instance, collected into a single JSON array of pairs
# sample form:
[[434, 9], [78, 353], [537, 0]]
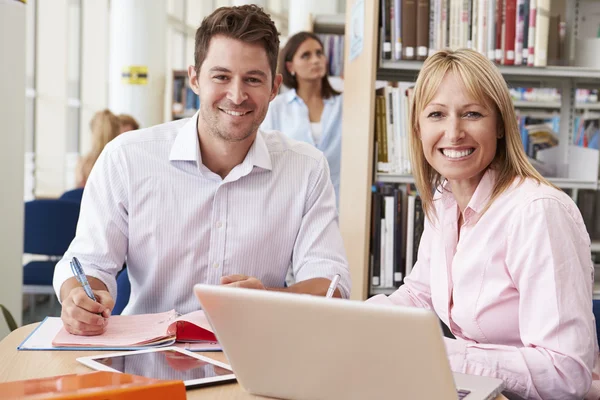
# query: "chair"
[[49, 229], [596, 308], [123, 291], [73, 195]]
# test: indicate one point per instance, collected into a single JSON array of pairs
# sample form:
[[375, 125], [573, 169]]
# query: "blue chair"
[[596, 307], [73, 195], [49, 229], [123, 291]]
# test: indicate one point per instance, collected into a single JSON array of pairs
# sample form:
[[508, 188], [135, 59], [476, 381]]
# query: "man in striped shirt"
[[208, 199]]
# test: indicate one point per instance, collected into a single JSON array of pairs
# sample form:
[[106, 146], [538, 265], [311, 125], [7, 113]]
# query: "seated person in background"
[[208, 199], [105, 126], [312, 110], [128, 123], [504, 259]]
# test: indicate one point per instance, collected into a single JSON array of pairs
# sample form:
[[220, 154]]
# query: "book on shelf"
[[392, 127], [509, 32], [333, 47], [397, 221]]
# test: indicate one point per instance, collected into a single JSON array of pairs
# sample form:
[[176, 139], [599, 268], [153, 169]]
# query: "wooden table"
[[18, 365]]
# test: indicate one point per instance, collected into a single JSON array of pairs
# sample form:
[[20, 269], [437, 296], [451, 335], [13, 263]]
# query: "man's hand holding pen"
[[83, 316], [85, 311]]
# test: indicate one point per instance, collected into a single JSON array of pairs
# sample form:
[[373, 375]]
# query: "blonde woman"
[[504, 260], [128, 123], [105, 126]]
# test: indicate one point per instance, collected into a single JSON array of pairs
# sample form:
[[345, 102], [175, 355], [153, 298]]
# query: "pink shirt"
[[515, 290]]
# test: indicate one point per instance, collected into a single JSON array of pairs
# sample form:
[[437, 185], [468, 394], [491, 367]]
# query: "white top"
[[316, 129], [149, 198]]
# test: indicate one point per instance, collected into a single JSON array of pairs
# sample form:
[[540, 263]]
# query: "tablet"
[[164, 363]]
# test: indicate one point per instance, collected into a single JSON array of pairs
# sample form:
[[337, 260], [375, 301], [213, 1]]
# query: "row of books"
[[509, 32], [588, 96], [391, 127], [397, 223], [333, 46], [538, 132]]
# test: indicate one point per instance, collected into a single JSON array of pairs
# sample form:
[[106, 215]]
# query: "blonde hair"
[[126, 119], [105, 127], [485, 84]]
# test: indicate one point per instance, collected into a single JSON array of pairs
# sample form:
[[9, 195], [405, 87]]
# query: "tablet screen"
[[167, 364]]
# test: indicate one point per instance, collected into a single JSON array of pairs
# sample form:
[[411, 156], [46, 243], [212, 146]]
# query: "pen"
[[333, 285], [81, 278]]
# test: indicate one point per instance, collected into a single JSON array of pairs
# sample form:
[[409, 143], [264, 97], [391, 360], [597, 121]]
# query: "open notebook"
[[129, 332]]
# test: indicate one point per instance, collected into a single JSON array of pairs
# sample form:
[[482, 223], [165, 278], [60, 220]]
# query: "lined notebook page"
[[124, 331]]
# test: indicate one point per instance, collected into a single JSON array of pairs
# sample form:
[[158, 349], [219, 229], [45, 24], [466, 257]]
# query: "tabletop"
[[19, 365]]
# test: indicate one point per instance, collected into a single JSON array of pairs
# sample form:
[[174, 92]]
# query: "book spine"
[[422, 29], [531, 34], [542, 23], [409, 29], [520, 29], [508, 32]]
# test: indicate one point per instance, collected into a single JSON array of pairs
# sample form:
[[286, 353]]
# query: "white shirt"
[[289, 114], [150, 198], [316, 128]]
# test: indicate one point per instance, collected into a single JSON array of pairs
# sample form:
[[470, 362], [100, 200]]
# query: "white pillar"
[[12, 155], [300, 11], [51, 101], [94, 63], [138, 31]]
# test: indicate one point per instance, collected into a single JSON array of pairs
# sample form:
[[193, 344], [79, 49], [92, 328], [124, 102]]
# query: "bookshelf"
[[357, 166], [184, 102]]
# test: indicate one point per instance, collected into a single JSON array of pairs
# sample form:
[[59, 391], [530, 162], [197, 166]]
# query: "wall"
[[12, 122]]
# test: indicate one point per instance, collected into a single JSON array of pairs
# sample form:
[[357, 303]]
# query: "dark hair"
[[248, 23], [287, 54]]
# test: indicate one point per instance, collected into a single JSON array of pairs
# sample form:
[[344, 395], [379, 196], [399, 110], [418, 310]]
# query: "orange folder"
[[94, 386]]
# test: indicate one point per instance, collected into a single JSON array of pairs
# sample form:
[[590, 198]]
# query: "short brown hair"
[[248, 23], [287, 54]]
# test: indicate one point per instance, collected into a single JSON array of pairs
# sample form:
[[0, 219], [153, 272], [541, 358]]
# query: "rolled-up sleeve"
[[319, 249], [548, 257], [101, 238]]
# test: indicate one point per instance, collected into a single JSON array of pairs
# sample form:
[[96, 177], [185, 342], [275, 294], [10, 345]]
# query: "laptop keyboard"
[[462, 393]]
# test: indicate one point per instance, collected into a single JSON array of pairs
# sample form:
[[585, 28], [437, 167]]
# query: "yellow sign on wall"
[[135, 75]]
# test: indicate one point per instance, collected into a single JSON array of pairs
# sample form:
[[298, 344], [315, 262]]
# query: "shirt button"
[[219, 224], [216, 265]]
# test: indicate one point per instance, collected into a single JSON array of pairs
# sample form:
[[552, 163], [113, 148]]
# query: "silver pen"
[[333, 285], [81, 278]]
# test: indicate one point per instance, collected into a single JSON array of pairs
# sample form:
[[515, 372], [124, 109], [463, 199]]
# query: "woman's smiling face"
[[458, 133]]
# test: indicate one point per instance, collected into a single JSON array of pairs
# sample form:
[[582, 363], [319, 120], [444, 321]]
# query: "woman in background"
[[504, 260], [105, 126], [311, 111], [128, 123]]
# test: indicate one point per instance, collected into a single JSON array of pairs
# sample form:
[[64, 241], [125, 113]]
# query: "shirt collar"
[[258, 155], [480, 197], [291, 95], [187, 147]]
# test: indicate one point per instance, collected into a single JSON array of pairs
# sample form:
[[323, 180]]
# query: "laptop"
[[292, 346]]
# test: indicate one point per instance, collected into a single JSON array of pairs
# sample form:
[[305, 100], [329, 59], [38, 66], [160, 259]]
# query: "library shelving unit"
[[331, 30], [357, 167], [184, 102]]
